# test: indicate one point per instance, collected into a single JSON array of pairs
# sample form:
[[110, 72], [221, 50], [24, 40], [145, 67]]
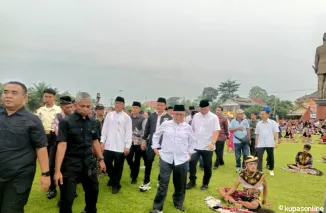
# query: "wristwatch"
[[101, 158], [46, 174]]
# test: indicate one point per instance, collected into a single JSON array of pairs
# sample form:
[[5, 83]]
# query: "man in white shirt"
[[266, 139], [206, 127], [116, 142], [176, 148], [189, 117]]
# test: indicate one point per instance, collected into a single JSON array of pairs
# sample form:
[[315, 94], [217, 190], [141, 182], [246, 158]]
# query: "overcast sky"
[[161, 48]]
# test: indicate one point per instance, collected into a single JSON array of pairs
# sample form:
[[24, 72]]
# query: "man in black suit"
[[153, 121]]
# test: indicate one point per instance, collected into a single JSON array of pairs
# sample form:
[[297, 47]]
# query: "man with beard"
[[116, 141], [138, 144], [153, 122], [47, 114], [78, 136], [22, 139]]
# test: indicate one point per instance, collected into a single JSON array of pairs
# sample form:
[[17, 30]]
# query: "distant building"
[[150, 105], [232, 104], [305, 105]]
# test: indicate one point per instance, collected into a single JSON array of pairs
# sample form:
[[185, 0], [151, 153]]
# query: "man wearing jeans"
[[240, 128], [266, 139]]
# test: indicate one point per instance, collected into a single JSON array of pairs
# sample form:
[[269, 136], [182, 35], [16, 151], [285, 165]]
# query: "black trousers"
[[149, 159], [207, 159], [252, 146], [133, 159], [114, 172], [52, 150], [14, 195], [219, 151], [270, 157], [68, 191], [179, 182]]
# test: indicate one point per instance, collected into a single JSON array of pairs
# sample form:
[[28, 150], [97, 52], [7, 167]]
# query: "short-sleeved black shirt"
[[20, 134], [79, 135]]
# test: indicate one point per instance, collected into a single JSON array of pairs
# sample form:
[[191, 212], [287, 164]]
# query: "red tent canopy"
[[306, 115]]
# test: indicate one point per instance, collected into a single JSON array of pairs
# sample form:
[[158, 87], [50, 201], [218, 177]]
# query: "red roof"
[[151, 104], [258, 101]]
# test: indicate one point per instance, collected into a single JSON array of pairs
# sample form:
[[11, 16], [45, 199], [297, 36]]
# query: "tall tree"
[[258, 92], [210, 93], [173, 101], [254, 108], [228, 89]]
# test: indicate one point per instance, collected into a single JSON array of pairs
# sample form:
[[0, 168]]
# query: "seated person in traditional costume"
[[303, 160], [254, 184]]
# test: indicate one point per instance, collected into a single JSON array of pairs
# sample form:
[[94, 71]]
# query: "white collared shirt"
[[177, 142], [117, 131], [158, 122], [265, 132], [203, 127], [188, 119]]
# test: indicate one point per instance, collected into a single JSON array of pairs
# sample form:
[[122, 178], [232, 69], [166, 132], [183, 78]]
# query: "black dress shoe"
[[51, 194], [134, 181], [180, 208], [204, 187], [109, 183], [190, 185], [115, 191]]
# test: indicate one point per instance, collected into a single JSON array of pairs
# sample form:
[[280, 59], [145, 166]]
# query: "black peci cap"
[[204, 103], [99, 107], [136, 103], [65, 100], [120, 99], [191, 108], [161, 100], [170, 107], [179, 108]]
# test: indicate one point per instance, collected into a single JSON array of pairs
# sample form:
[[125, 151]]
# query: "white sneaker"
[[271, 173], [145, 187]]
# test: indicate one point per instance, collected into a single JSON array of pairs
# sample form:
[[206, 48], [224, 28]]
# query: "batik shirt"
[[304, 159]]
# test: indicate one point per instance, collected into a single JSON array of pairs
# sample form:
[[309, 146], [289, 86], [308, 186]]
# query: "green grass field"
[[287, 189]]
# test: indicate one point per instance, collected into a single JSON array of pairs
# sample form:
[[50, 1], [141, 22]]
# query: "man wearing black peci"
[[22, 139], [153, 122], [78, 136], [138, 146]]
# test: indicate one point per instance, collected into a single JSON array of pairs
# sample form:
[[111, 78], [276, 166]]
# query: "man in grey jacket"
[[153, 122], [138, 144]]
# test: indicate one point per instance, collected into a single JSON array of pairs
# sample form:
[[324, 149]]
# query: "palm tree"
[[35, 95]]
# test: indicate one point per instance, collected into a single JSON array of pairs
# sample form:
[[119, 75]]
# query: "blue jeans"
[[241, 149]]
